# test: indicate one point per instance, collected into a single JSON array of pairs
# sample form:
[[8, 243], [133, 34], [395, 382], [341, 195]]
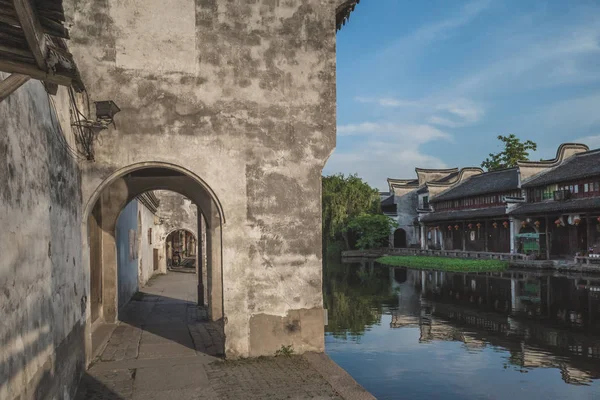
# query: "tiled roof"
[[579, 166], [388, 201], [464, 214], [571, 205], [489, 182], [447, 178], [342, 12]]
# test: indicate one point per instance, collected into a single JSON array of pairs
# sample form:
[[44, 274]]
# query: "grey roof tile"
[[551, 206], [464, 214], [488, 182], [579, 166]]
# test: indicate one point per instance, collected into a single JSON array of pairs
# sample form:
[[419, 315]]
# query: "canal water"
[[412, 334]]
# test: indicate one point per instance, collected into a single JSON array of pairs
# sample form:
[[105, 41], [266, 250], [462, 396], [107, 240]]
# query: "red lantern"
[[523, 224], [478, 225], [449, 227], [470, 226], [557, 222], [598, 219], [537, 224], [505, 224], [576, 221], [495, 225], [456, 227]]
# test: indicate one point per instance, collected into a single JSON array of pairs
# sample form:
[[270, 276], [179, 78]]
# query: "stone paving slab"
[[123, 344], [168, 350], [150, 359], [269, 378], [161, 379], [165, 334]]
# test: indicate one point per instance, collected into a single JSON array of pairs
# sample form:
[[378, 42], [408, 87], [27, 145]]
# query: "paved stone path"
[[164, 349]]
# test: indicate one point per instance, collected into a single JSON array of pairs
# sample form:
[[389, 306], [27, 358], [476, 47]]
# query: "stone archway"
[[103, 210], [400, 238], [187, 248]]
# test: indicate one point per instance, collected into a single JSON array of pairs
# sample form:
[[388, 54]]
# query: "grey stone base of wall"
[[59, 376]]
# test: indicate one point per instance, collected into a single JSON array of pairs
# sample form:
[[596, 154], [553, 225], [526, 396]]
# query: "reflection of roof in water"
[[575, 354]]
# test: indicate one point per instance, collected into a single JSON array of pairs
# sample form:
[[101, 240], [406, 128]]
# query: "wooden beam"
[[547, 225], [34, 72], [10, 84], [15, 51], [34, 32]]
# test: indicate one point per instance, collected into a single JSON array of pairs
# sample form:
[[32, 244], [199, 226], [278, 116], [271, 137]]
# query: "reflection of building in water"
[[524, 313]]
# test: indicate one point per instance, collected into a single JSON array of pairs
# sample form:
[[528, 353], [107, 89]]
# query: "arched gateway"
[[102, 212]]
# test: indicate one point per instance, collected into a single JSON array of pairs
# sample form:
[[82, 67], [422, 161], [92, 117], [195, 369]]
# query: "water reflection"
[[513, 323]]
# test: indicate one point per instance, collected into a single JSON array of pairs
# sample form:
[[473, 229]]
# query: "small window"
[[150, 235], [585, 188], [576, 188]]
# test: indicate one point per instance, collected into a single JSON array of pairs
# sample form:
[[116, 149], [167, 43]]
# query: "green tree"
[[343, 199], [514, 151], [373, 230]]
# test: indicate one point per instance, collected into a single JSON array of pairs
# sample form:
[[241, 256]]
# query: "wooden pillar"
[[485, 232], [588, 227], [464, 239], [546, 222]]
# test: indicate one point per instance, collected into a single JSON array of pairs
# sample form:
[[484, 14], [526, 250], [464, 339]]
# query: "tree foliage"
[[514, 151], [343, 199], [373, 230]]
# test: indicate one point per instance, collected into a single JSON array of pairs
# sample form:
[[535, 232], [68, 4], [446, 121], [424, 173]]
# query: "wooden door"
[[155, 254]]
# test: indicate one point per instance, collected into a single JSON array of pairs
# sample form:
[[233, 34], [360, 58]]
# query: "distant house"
[[550, 208], [409, 197], [563, 204]]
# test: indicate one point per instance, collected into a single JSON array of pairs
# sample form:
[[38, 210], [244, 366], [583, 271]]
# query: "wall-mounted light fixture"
[[88, 129], [105, 112]]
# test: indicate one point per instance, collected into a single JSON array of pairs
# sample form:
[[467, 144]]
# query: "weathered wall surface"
[[407, 202], [242, 94], [127, 253], [176, 212], [148, 242], [134, 250], [43, 294]]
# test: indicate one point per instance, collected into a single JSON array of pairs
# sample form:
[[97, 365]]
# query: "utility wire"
[[74, 153]]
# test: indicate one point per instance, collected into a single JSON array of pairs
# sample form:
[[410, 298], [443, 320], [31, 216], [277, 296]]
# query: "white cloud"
[[377, 161], [384, 149], [593, 142], [528, 63], [415, 133], [435, 31], [460, 113], [387, 101]]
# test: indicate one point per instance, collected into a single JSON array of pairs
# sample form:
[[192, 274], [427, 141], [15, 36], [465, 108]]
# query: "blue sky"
[[432, 84]]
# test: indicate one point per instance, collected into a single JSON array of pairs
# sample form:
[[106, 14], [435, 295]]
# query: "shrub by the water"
[[444, 263]]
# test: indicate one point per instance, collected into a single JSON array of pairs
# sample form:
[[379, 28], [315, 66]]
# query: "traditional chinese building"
[[563, 206], [548, 208]]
